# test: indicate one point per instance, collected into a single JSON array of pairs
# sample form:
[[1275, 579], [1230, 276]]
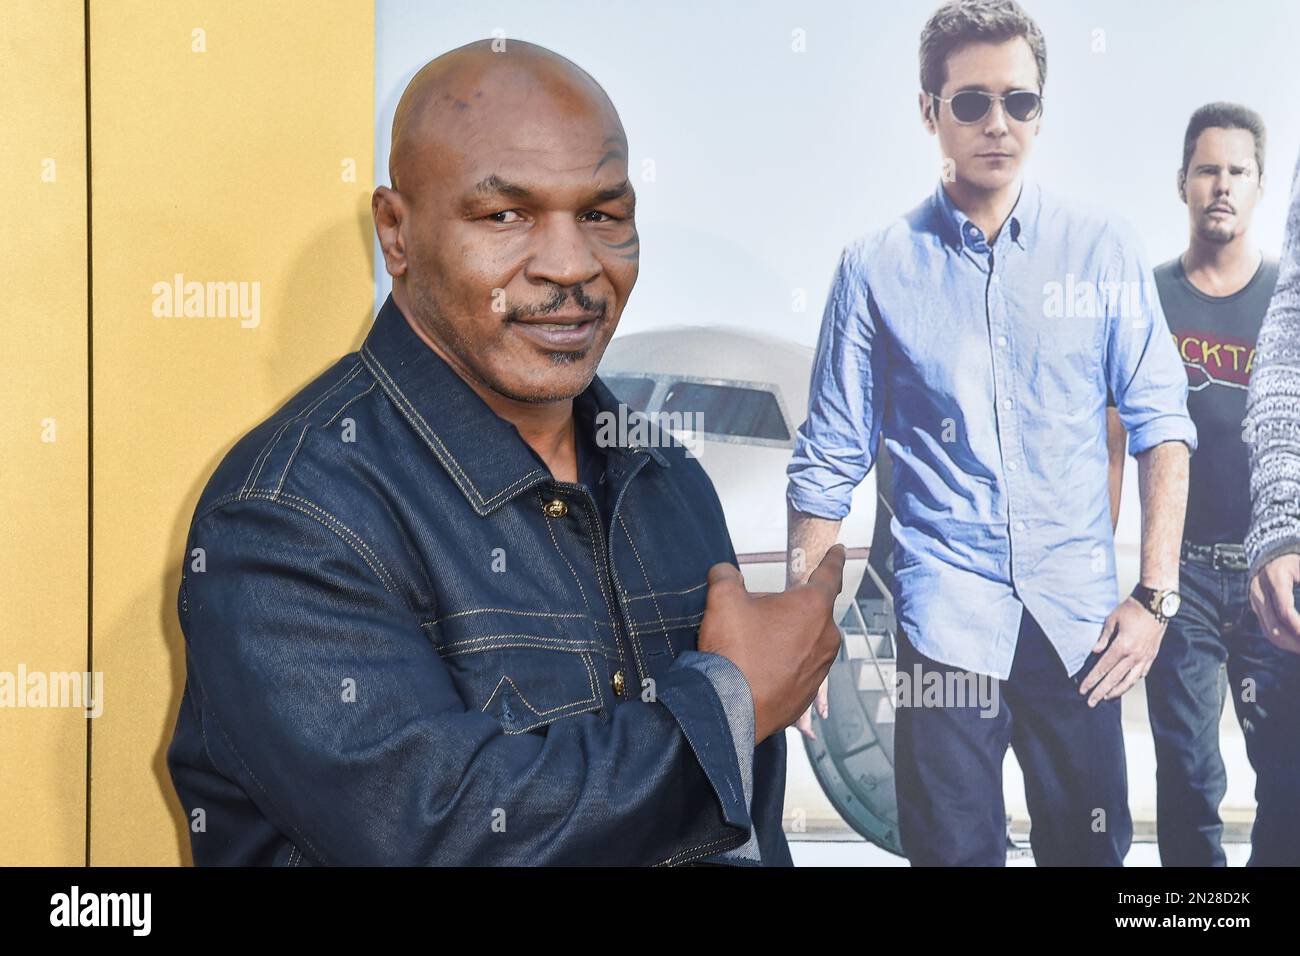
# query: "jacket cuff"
[[690, 694], [1267, 553], [733, 691]]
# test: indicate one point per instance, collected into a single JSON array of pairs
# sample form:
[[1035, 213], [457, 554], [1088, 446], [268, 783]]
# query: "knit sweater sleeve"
[[1272, 425]]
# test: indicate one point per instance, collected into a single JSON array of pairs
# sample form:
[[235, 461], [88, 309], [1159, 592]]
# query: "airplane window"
[[729, 409], [631, 390]]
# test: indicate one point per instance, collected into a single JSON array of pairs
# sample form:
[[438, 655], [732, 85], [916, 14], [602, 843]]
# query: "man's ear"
[[1182, 185], [926, 102], [390, 212]]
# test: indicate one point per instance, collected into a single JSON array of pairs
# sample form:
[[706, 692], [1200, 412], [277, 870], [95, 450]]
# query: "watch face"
[[1169, 604]]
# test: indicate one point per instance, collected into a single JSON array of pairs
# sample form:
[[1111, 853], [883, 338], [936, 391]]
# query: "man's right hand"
[[783, 643], [1272, 595]]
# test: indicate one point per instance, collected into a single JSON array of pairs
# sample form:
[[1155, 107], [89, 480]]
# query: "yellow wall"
[[231, 142], [43, 473]]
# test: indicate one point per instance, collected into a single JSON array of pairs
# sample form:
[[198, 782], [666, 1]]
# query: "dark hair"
[[959, 22], [1225, 116]]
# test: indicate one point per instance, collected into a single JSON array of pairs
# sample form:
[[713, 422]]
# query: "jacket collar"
[[484, 454]]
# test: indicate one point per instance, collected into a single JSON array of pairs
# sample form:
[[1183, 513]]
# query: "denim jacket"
[[407, 643]]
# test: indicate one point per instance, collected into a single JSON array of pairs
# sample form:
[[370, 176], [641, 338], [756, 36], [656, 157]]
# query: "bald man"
[[436, 610]]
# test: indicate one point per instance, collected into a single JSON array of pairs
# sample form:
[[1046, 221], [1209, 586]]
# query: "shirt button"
[[619, 683], [996, 279], [1006, 403], [555, 508], [1020, 526], [1012, 466], [1002, 341]]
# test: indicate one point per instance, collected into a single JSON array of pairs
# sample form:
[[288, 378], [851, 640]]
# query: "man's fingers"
[[804, 724], [1107, 631], [823, 698], [1115, 670], [1279, 590], [1102, 667], [1257, 598], [829, 575], [1134, 675]]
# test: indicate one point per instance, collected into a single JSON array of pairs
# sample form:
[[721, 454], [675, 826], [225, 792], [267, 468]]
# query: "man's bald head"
[[464, 91]]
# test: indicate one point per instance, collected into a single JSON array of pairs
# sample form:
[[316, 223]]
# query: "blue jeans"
[[1186, 688]]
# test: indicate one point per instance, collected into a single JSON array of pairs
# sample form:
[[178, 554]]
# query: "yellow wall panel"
[[43, 471], [232, 142]]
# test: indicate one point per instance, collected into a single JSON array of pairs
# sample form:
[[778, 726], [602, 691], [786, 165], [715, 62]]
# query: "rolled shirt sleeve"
[[836, 445], [1143, 370], [1273, 411]]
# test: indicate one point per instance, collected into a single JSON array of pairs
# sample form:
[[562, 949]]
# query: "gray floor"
[[861, 853]]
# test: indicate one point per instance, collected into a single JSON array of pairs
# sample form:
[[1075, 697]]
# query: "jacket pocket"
[[526, 682]]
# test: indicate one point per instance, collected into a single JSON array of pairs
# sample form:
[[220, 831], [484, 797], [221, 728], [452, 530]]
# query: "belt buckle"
[[1225, 560]]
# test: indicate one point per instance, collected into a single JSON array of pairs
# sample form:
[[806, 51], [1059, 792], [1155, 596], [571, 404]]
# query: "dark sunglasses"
[[971, 106]]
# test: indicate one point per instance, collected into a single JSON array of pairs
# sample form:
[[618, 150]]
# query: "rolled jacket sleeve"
[[322, 696], [836, 445], [733, 691], [1143, 370]]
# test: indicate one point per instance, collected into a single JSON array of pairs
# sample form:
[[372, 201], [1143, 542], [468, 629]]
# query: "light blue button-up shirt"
[[986, 369]]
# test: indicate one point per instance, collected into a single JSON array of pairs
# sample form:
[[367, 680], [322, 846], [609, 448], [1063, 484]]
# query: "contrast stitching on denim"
[[685, 855], [499, 610], [674, 624], [590, 705], [506, 679], [279, 485], [431, 439], [593, 533], [646, 577], [313, 510], [560, 643], [504, 492], [533, 646], [652, 594], [421, 427], [581, 590], [354, 398], [254, 473], [591, 674], [258, 462]]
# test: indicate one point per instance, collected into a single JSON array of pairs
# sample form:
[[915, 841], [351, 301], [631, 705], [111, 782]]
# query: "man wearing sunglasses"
[[980, 335]]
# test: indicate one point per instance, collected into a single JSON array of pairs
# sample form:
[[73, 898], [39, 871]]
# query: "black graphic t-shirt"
[[1215, 337]]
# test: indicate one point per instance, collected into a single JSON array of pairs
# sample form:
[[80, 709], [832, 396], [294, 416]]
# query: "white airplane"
[[746, 393]]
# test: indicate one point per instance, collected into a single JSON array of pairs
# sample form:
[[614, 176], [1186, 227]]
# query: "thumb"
[[724, 576]]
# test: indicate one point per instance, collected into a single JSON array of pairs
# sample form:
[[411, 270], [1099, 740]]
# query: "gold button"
[[619, 683], [555, 508]]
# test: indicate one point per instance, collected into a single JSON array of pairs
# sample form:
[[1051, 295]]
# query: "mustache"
[[559, 298]]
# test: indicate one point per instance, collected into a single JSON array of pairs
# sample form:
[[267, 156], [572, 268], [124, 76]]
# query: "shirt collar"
[[959, 231], [483, 453]]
